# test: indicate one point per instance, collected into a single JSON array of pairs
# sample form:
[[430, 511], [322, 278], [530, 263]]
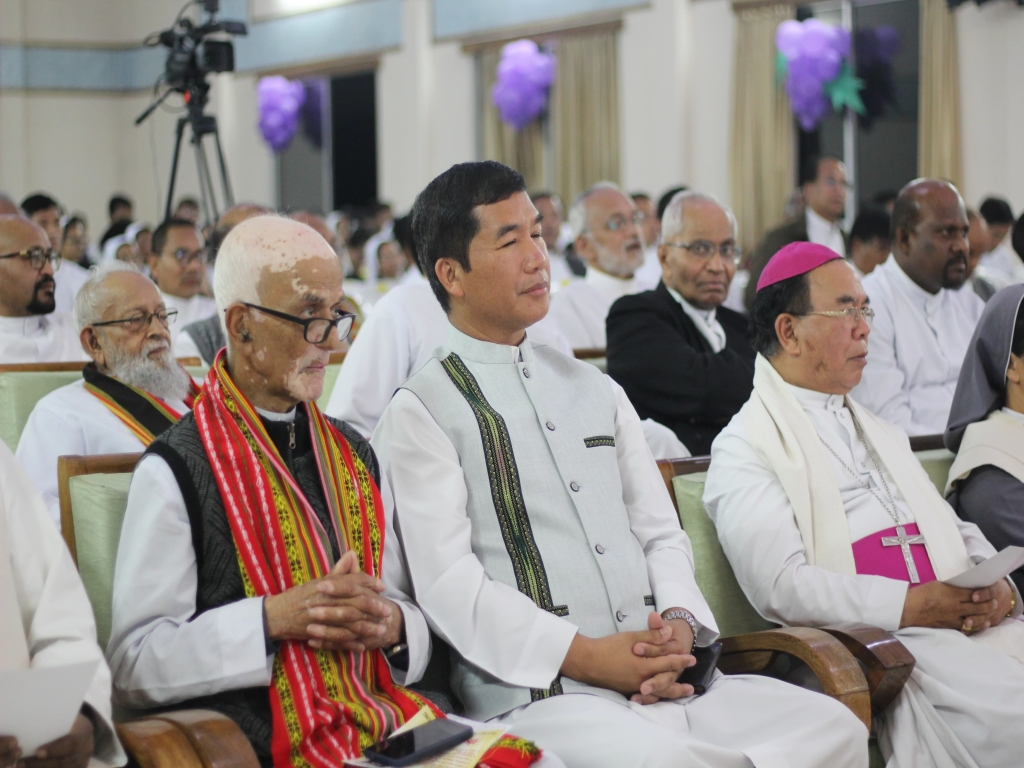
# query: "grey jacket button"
[[550, 426], [600, 549], [574, 485], [620, 615], [526, 372]]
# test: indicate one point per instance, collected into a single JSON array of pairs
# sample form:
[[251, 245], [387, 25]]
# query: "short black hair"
[[118, 201], [76, 219], [883, 197], [1017, 344], [1017, 237], [666, 198], [360, 237], [786, 297], [444, 221], [191, 202], [810, 167], [634, 196], [402, 232], [161, 232], [995, 210], [33, 204], [116, 229], [540, 194], [871, 224]]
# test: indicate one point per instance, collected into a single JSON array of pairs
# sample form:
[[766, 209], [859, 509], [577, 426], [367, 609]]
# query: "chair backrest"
[[20, 390], [330, 377], [684, 480], [937, 463], [93, 498]]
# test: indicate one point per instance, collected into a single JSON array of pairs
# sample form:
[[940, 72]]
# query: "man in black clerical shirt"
[[684, 359]]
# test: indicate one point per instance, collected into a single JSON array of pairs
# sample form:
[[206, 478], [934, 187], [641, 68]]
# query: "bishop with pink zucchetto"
[[827, 517]]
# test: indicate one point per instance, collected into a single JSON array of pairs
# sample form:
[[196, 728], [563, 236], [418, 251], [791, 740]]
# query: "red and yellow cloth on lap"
[[327, 706]]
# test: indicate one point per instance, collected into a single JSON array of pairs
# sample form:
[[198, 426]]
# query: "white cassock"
[[581, 307], [160, 652], [51, 338], [399, 335], [68, 281], [505, 643], [45, 616], [1005, 260], [649, 274], [189, 311], [71, 421], [561, 275], [915, 350], [821, 231], [964, 702]]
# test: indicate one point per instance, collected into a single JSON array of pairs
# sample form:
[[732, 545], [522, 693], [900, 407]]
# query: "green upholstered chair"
[[330, 377], [19, 393], [936, 463]]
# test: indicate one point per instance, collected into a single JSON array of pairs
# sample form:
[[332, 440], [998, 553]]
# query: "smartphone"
[[700, 674], [418, 743]]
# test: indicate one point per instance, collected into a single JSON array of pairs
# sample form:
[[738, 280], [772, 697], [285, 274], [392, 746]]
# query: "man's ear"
[[786, 331], [662, 254], [91, 344], [237, 320], [902, 241], [584, 248], [151, 261], [1015, 370], [449, 273]]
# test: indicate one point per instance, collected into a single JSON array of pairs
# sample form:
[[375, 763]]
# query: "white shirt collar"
[[924, 301], [813, 400], [24, 326], [608, 286], [1018, 416], [273, 416], [704, 319]]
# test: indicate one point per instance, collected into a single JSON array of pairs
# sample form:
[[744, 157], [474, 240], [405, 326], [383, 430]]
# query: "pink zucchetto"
[[792, 260]]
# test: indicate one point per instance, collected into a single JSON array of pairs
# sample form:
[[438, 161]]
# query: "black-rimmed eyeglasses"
[[36, 257], [141, 320], [705, 249], [315, 329]]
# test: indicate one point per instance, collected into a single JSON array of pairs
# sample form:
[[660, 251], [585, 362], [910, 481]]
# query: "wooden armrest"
[[216, 738], [154, 743], [837, 670], [887, 660]]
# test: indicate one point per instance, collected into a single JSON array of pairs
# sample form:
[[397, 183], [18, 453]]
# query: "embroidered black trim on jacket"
[[599, 441]]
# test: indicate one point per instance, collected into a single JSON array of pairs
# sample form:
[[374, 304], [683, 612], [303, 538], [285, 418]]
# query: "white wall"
[[425, 109], [675, 62], [992, 101]]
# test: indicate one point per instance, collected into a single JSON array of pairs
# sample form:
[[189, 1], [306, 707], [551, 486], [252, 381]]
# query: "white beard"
[[161, 377]]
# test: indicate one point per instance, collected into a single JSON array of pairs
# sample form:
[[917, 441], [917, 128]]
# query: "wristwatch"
[[685, 615]]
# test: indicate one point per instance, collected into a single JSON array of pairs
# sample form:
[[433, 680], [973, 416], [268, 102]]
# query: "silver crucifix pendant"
[[903, 541]]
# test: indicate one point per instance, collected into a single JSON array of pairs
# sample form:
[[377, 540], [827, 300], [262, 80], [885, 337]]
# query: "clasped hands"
[[343, 611], [71, 751], [969, 610], [642, 665]]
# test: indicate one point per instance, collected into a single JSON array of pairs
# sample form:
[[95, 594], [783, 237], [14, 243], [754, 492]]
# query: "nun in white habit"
[[986, 426]]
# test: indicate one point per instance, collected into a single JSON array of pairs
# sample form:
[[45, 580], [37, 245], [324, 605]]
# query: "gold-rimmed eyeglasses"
[[705, 249], [852, 315], [36, 257]]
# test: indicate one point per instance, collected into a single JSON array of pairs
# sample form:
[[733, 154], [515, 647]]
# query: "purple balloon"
[[787, 38], [888, 42], [827, 67], [524, 75], [279, 101], [817, 39]]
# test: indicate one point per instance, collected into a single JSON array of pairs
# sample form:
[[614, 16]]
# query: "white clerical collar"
[[485, 351], [608, 286], [273, 416], [819, 229], [704, 319], [813, 400], [23, 326], [926, 302]]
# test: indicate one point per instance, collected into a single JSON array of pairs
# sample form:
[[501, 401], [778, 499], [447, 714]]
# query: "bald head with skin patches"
[[284, 266], [24, 291]]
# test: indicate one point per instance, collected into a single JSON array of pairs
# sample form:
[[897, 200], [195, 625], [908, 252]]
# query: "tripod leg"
[[229, 195], [206, 191], [179, 132]]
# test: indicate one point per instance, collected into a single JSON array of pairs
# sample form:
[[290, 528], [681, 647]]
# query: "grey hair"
[[93, 298], [672, 219], [578, 209]]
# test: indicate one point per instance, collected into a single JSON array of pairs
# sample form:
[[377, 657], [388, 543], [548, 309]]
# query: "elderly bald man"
[[262, 577], [923, 323], [131, 392], [30, 330], [683, 359]]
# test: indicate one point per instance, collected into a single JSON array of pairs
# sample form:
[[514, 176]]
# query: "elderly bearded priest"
[[132, 391], [540, 541], [259, 534], [827, 517]]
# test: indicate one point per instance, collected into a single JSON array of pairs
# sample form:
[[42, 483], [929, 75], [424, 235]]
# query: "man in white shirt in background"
[[649, 275], [606, 225], [539, 539], [178, 267], [131, 392], [999, 217], [983, 281], [923, 325], [69, 277], [30, 330], [549, 205], [823, 188]]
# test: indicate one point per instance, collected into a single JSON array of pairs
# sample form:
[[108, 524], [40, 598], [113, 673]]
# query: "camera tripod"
[[202, 125]]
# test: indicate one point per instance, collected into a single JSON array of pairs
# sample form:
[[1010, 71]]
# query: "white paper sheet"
[[40, 705], [988, 572]]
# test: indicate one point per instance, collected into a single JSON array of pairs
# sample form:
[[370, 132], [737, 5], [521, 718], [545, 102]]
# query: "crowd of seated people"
[[299, 557]]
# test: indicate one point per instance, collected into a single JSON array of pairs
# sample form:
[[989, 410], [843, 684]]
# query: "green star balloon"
[[845, 90]]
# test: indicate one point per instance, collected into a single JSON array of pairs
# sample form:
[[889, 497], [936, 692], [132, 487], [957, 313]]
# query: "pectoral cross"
[[903, 541]]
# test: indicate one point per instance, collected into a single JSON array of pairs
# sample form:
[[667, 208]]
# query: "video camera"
[[193, 54]]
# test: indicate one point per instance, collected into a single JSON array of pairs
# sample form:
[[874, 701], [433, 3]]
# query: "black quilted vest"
[[219, 576]]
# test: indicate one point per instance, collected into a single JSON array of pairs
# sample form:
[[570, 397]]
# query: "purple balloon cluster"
[[814, 53], [279, 101], [525, 73]]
